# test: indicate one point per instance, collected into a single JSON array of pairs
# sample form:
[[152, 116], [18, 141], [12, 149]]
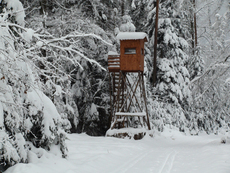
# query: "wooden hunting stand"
[[129, 115]]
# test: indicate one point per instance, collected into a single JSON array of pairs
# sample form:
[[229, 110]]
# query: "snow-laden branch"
[[69, 49], [62, 6], [77, 36], [226, 59], [205, 6], [218, 64], [50, 43], [49, 40], [7, 24], [211, 84]]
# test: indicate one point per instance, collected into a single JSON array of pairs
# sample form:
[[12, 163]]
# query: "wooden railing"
[[114, 63]]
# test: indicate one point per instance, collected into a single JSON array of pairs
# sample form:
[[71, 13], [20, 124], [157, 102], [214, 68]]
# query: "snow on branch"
[[62, 6], [227, 57], [69, 36], [48, 40], [224, 63], [70, 49]]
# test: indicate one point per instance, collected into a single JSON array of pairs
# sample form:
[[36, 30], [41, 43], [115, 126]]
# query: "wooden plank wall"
[[132, 62]]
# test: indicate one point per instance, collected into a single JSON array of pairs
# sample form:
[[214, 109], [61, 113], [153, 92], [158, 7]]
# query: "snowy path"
[[153, 155], [173, 153]]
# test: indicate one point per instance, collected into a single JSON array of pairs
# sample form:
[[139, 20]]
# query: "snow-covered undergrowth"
[[169, 151]]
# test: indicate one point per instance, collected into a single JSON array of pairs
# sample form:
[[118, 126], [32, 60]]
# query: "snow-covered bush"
[[166, 115]]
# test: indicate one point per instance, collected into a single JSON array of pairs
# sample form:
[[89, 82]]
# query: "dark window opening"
[[130, 50], [142, 52]]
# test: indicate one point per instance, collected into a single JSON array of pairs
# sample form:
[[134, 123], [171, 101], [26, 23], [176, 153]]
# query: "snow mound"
[[131, 133]]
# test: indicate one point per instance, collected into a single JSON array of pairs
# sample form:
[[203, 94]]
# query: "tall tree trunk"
[[210, 25], [195, 27], [122, 7], [192, 33], [155, 45]]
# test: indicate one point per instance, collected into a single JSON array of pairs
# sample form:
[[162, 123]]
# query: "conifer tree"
[[172, 75]]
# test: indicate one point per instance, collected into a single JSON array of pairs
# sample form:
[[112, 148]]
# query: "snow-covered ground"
[[170, 152]]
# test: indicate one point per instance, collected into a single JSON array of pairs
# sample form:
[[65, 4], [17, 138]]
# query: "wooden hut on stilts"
[[129, 115]]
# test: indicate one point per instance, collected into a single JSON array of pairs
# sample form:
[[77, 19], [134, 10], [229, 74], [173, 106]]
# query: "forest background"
[[54, 79]]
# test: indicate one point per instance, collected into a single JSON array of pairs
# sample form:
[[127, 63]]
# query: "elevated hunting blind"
[[131, 58], [132, 51], [129, 115]]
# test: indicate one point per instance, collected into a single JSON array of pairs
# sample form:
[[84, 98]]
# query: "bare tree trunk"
[[155, 45]]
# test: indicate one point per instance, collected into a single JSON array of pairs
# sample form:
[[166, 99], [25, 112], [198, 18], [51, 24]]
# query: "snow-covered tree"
[[138, 14], [78, 79], [28, 117], [172, 75], [210, 90], [38, 81], [93, 85], [195, 64], [127, 24], [103, 12]]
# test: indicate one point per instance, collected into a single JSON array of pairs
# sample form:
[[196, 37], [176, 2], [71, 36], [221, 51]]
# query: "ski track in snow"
[[168, 163], [128, 165]]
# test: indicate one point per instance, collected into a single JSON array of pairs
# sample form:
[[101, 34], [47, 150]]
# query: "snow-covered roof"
[[132, 36], [112, 53], [130, 114]]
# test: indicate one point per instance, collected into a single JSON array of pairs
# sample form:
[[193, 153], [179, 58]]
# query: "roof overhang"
[[132, 36]]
